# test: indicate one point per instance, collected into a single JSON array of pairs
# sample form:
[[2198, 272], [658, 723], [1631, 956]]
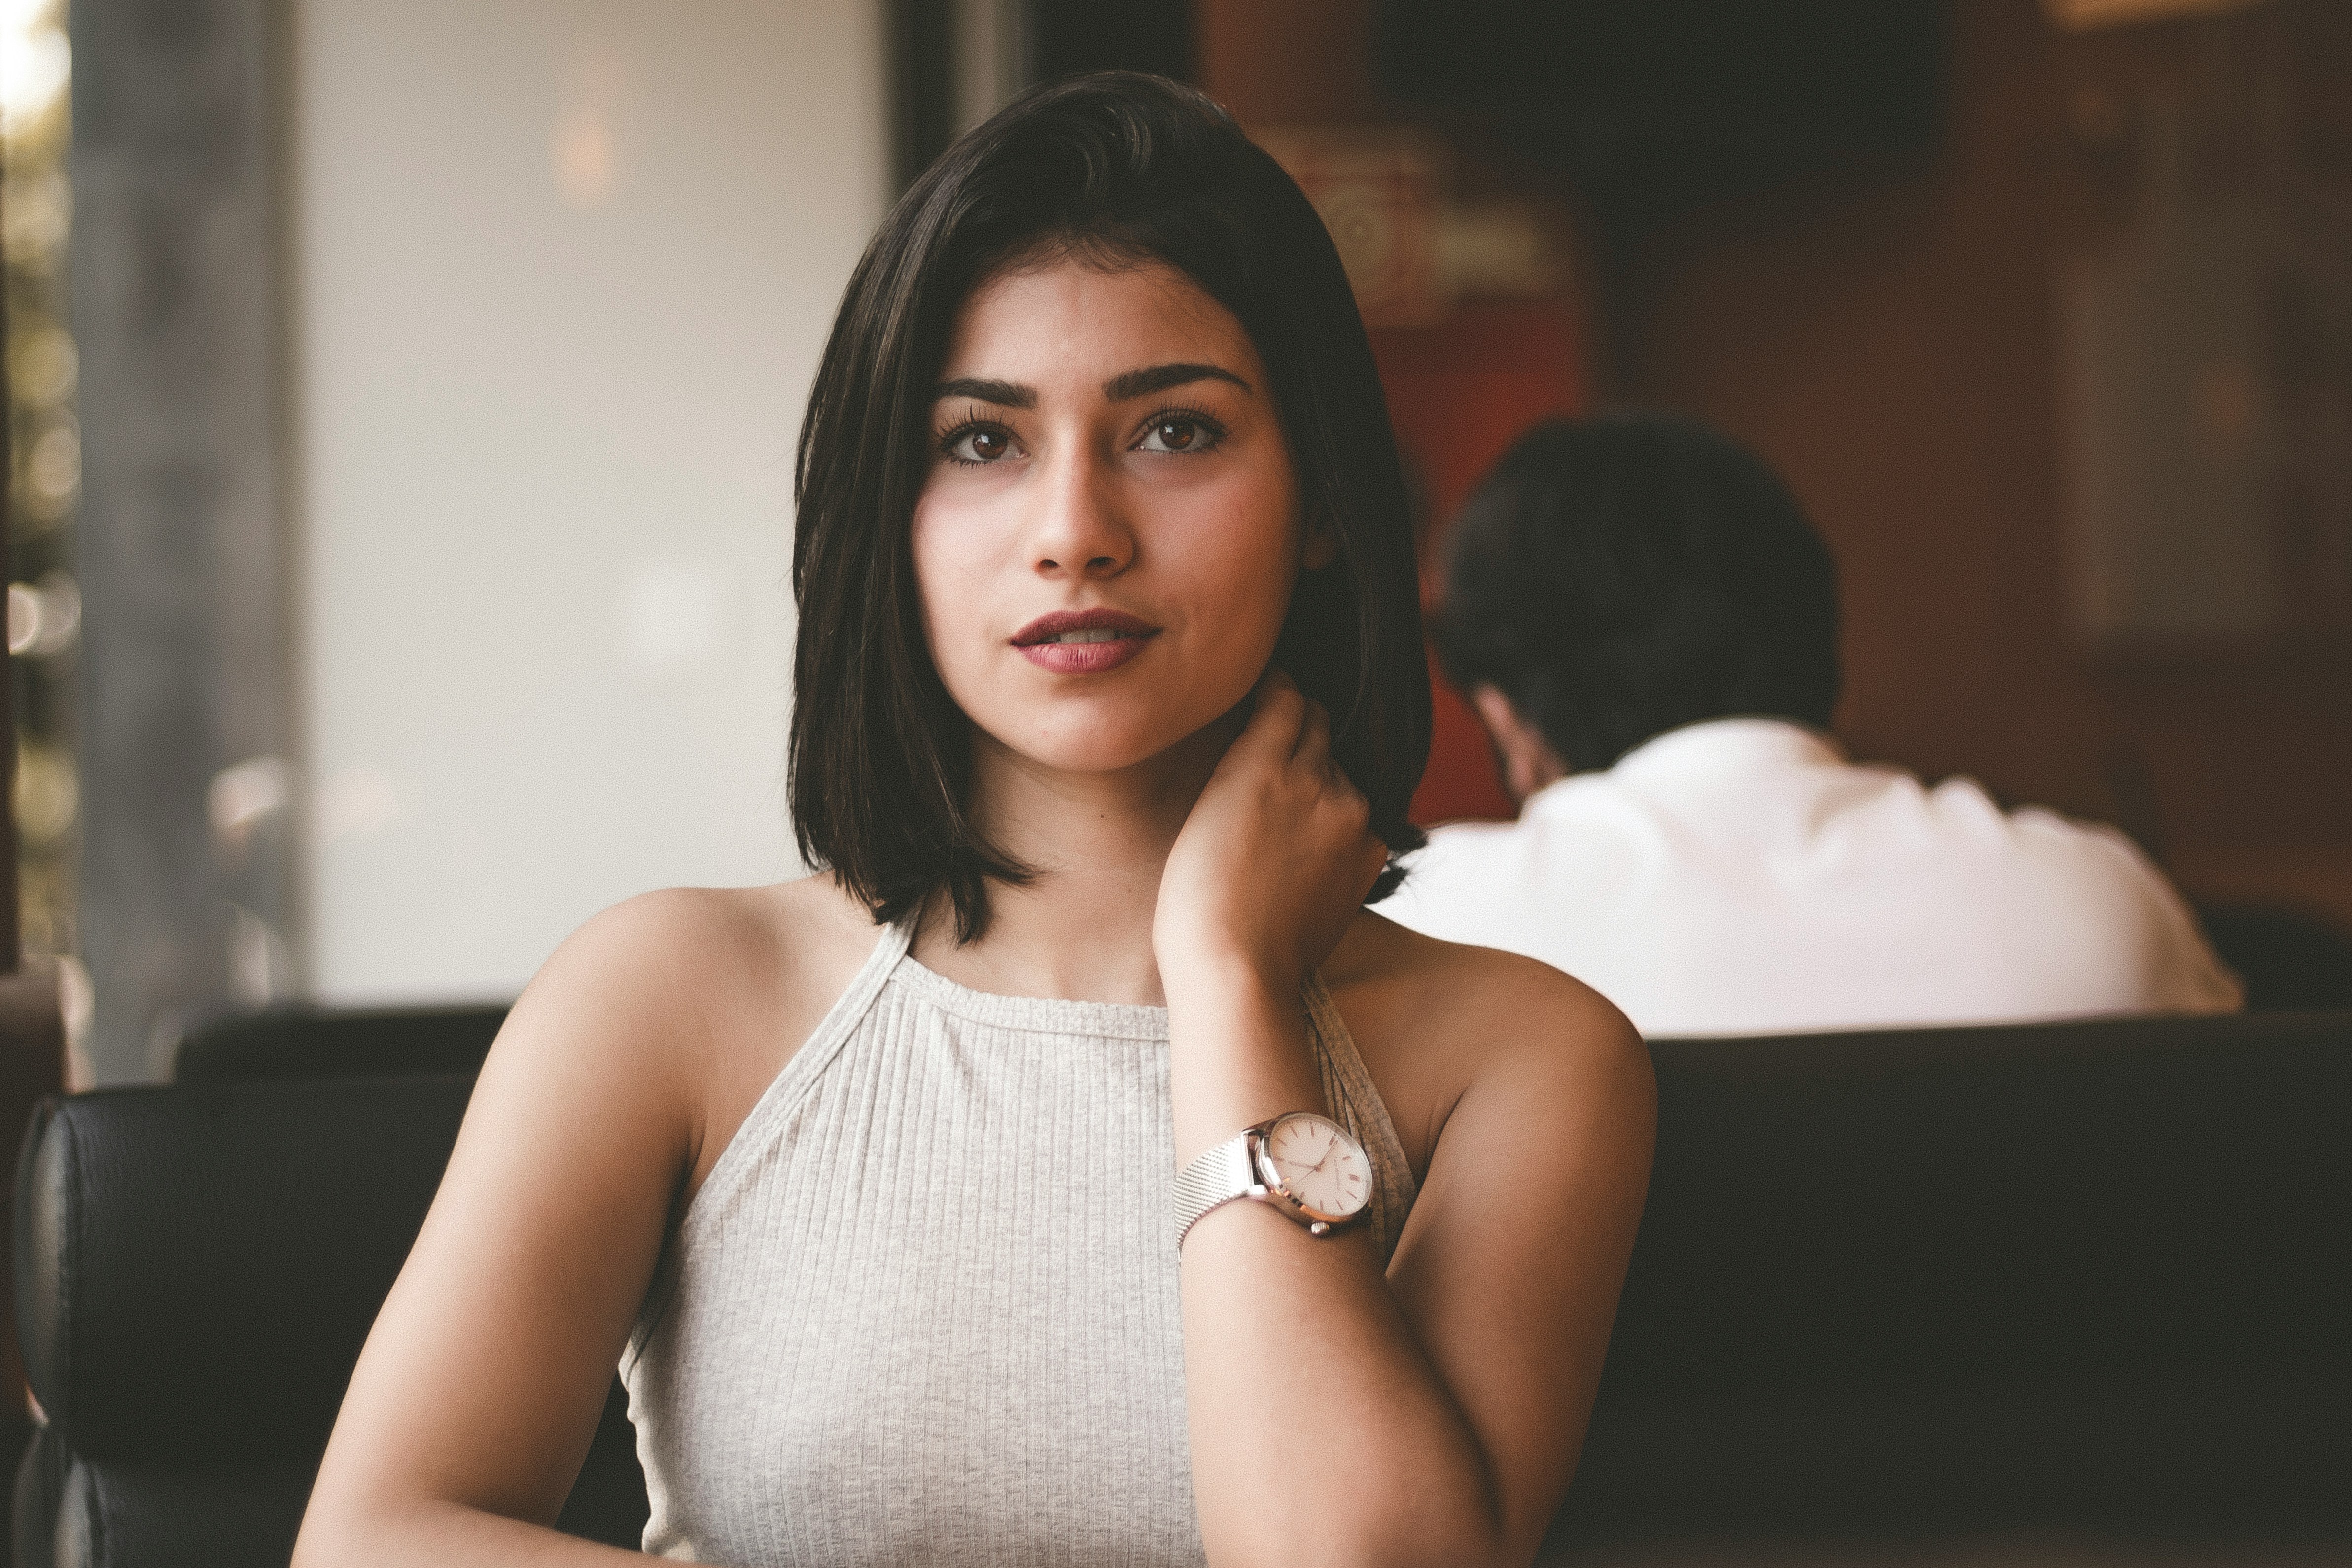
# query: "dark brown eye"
[[978, 444], [1179, 433]]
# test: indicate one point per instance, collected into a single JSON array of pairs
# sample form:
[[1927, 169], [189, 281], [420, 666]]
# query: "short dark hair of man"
[[1119, 171], [1622, 575]]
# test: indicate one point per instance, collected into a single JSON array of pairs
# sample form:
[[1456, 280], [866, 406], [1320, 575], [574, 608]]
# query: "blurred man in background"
[[1647, 625]]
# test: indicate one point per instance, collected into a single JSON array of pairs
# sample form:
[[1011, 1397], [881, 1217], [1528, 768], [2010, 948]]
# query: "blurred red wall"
[[1891, 350], [1459, 393], [1461, 389], [1894, 352]]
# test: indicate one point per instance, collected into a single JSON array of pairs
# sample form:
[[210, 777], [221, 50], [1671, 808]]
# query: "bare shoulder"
[[1439, 1022], [683, 958], [689, 1001], [605, 1100], [1478, 1001]]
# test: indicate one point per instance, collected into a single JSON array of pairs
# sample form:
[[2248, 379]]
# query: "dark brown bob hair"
[[1118, 170]]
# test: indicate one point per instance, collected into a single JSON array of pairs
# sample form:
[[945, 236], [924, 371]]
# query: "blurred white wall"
[[561, 272]]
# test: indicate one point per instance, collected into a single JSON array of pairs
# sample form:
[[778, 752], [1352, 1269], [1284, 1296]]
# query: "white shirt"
[[1742, 877]]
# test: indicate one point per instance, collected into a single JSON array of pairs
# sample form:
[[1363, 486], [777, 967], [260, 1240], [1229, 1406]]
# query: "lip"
[[1083, 658]]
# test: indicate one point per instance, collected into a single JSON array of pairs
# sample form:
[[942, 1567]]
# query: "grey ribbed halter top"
[[924, 1308]]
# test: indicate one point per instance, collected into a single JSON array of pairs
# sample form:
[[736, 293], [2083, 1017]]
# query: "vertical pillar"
[[185, 715]]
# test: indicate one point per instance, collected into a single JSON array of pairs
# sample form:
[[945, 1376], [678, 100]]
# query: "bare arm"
[[479, 1391], [1431, 1416]]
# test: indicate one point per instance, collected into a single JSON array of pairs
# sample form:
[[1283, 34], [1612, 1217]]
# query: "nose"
[[1080, 528]]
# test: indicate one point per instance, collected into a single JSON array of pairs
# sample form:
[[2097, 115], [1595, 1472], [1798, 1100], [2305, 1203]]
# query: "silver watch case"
[[1240, 1167]]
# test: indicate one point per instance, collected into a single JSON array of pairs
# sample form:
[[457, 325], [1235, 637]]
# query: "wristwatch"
[[1306, 1165]]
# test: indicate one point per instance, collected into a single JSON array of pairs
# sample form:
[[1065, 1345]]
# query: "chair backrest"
[[197, 1268], [2071, 1280], [301, 1040], [2083, 1282]]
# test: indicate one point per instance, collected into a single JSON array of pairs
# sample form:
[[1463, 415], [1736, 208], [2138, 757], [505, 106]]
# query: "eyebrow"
[[1160, 378], [1119, 389], [1006, 394]]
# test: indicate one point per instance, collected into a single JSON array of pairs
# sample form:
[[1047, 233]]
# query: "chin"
[[1093, 749], [1094, 738]]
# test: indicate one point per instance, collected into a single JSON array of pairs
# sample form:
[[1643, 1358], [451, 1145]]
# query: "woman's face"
[[1108, 533]]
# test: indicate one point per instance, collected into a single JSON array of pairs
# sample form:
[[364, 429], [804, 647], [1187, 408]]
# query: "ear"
[[1529, 761]]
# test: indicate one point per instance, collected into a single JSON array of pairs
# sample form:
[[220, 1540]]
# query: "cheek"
[[949, 560], [1245, 552]]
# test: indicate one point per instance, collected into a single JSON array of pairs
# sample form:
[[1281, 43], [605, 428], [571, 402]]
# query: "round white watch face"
[[1313, 1159]]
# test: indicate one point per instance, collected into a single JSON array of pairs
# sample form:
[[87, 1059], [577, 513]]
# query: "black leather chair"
[[301, 1040], [1915, 1295], [1898, 1298], [197, 1268]]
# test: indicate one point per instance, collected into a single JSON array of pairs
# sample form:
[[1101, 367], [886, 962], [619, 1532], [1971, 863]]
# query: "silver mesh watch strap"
[[1218, 1177]]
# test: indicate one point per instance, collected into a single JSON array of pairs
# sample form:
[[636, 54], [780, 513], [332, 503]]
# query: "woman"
[[1110, 701]]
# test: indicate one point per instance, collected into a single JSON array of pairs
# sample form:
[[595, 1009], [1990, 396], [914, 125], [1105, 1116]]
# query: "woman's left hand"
[[1276, 857]]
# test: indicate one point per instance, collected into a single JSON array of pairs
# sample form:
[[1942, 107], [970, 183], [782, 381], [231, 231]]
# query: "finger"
[[1274, 678], [1274, 721], [1340, 792], [1313, 746]]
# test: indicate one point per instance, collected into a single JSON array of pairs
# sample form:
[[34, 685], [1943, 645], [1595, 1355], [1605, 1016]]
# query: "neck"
[[1081, 927]]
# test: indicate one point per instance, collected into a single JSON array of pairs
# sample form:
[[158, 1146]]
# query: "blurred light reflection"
[[44, 469]]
